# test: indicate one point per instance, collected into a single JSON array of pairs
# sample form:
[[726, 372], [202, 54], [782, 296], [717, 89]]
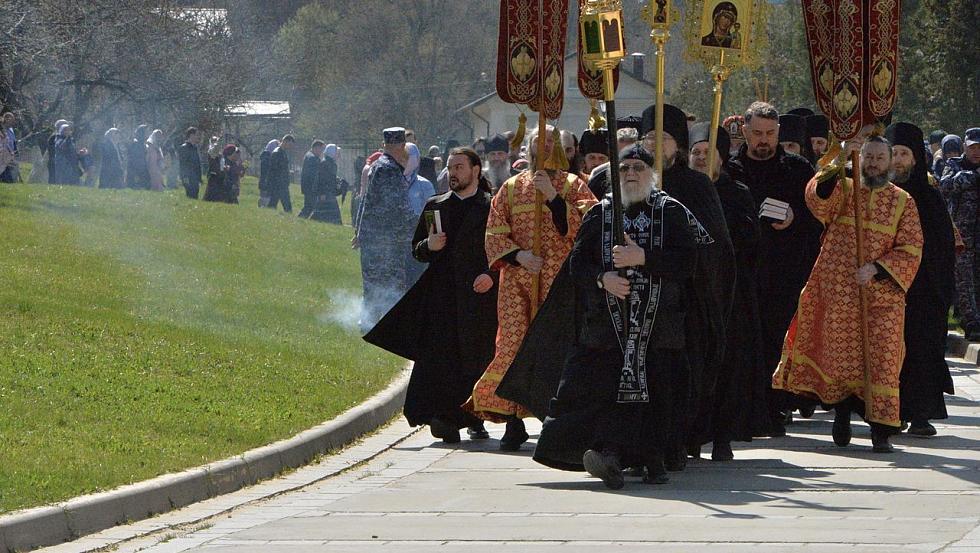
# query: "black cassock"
[[786, 257], [535, 373], [709, 297], [738, 410], [711, 291], [441, 323], [589, 410], [925, 374]]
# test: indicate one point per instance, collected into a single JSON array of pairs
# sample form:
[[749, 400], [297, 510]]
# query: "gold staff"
[[658, 15]]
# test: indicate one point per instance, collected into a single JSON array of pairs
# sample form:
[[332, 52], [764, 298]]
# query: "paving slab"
[[797, 493]]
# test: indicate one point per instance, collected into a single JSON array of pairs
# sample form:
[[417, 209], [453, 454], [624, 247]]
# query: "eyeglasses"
[[635, 167]]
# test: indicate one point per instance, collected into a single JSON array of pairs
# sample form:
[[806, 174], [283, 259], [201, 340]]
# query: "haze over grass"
[[143, 333]]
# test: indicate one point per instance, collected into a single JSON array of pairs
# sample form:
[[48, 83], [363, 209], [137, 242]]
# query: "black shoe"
[[921, 428], [478, 432], [722, 451], [778, 429], [656, 473], [879, 442], [677, 461], [842, 428], [444, 431], [807, 412], [605, 467], [514, 435]]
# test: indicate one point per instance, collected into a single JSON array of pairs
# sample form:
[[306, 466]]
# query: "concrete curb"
[[958, 346], [51, 525]]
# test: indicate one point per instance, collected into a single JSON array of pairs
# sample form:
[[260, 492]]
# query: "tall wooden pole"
[[538, 164], [862, 289]]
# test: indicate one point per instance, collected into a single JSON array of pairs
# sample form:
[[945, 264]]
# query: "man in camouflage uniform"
[[384, 233], [961, 189]]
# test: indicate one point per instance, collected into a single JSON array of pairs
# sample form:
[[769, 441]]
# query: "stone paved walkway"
[[798, 493]]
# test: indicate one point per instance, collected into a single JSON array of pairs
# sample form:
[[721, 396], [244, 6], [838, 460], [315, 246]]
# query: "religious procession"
[[597, 275], [654, 284]]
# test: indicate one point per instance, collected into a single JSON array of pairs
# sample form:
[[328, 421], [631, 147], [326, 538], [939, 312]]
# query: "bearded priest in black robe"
[[616, 401], [738, 409], [925, 374], [447, 322]]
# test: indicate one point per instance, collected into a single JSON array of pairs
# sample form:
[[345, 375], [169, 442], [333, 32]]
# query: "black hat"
[[497, 143], [394, 135], [726, 8], [817, 126], [675, 123], [792, 128], [701, 132], [630, 121], [802, 112], [908, 135], [636, 151], [594, 142]]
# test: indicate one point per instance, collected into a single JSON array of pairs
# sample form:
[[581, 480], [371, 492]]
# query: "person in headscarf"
[[111, 168], [137, 175], [154, 159], [67, 163], [224, 173], [925, 374], [327, 187], [49, 152], [264, 158]]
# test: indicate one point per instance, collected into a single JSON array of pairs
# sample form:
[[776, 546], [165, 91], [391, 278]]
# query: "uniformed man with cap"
[[384, 234]]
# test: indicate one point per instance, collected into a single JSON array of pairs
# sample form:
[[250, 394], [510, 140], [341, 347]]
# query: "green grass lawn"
[[143, 333]]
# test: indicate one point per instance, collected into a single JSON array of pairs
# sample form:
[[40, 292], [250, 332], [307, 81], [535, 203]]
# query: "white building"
[[490, 115]]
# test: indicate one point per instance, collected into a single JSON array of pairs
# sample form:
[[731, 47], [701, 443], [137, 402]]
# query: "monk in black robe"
[[447, 321], [615, 403], [787, 248], [710, 294], [738, 409], [925, 374]]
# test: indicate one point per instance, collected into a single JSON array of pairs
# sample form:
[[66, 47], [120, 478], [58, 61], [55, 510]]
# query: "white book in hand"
[[772, 202]]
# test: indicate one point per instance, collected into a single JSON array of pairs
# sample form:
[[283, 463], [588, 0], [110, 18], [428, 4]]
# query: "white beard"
[[635, 193], [498, 175]]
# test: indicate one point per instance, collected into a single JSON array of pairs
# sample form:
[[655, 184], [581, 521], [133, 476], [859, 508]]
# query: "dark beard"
[[902, 175], [876, 181], [763, 151], [456, 186]]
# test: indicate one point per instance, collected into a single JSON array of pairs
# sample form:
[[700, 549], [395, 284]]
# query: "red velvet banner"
[[522, 67], [853, 47]]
